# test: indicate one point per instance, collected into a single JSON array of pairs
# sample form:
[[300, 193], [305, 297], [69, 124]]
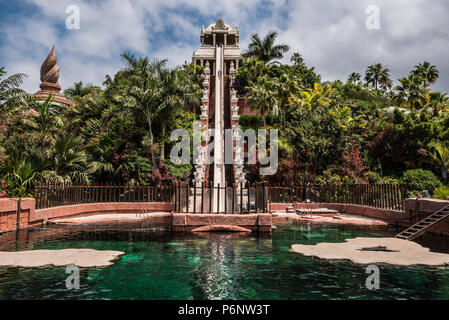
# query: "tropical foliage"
[[363, 129], [115, 134]]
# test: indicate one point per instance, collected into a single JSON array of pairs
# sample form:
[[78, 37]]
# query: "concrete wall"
[[415, 210], [252, 222], [418, 209], [8, 213], [390, 216], [99, 208], [31, 217]]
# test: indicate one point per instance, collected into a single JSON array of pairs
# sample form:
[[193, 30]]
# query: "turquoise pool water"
[[159, 265]]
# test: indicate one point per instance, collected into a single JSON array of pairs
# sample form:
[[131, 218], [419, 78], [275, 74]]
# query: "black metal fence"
[[248, 198], [55, 195], [384, 196]]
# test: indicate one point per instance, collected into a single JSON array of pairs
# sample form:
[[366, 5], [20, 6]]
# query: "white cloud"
[[331, 35]]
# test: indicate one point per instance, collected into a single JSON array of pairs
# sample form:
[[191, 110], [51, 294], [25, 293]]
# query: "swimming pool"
[[163, 265]]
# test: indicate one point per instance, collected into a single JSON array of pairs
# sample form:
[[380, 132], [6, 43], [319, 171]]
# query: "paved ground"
[[335, 219], [133, 218], [109, 218]]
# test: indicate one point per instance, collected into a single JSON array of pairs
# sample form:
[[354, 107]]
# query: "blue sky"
[[331, 35]]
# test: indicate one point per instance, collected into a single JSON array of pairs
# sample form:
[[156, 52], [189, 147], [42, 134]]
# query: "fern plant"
[[441, 193]]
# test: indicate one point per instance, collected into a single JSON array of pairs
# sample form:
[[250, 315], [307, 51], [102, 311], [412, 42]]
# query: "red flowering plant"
[[3, 186]]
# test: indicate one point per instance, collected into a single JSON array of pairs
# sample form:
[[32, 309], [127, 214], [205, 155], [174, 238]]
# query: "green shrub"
[[418, 180], [249, 120], [374, 177], [441, 193]]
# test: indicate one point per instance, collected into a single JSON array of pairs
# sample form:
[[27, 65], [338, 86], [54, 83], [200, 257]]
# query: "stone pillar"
[[225, 39], [239, 176], [200, 167], [213, 37]]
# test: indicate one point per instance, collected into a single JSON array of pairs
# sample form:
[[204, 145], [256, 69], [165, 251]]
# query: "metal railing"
[[383, 196], [54, 195], [243, 198]]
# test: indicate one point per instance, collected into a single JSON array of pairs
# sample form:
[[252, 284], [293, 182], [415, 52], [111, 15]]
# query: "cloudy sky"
[[331, 35]]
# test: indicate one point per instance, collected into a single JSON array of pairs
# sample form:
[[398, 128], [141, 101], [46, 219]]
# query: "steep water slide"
[[219, 166]]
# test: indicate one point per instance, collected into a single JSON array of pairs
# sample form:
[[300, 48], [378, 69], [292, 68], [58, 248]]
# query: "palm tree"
[[265, 49], [354, 77], [262, 96], [78, 90], [178, 91], [376, 75], [427, 71], [297, 59], [47, 120], [11, 96], [145, 88], [316, 97], [438, 102], [286, 86], [440, 157], [412, 89], [68, 162], [22, 174]]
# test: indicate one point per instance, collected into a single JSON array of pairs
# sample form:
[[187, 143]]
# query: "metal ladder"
[[422, 226]]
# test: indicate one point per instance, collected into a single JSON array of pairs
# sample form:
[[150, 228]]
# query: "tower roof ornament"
[[49, 80], [50, 68], [220, 25]]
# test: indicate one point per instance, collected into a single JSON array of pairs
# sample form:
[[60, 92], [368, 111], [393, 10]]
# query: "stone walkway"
[[334, 219], [111, 218]]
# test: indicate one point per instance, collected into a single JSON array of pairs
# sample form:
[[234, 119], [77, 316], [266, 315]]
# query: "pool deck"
[[217, 222], [347, 219]]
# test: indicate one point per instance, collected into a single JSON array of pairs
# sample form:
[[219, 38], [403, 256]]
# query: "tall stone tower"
[[220, 54]]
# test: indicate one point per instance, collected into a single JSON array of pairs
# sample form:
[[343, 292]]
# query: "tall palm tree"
[[265, 49], [412, 89], [178, 91], [11, 96], [286, 86], [262, 96], [376, 75], [354, 77], [440, 157], [297, 59], [145, 88], [427, 71]]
